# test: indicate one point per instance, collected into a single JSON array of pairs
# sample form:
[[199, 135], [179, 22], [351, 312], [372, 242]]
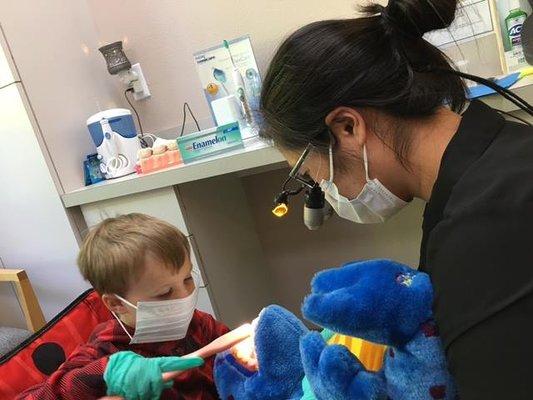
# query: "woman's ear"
[[348, 127], [114, 304]]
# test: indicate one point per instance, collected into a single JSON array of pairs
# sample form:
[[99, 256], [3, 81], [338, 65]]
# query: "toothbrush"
[[240, 86], [226, 45], [218, 345]]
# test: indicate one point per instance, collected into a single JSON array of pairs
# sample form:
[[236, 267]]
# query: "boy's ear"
[[114, 304]]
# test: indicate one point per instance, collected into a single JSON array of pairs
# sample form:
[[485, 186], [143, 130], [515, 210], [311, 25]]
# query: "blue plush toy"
[[380, 301], [383, 302], [277, 340]]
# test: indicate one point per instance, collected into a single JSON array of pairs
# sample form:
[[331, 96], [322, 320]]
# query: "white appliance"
[[113, 132]]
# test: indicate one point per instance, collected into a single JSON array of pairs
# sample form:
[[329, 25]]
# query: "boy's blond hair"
[[114, 252]]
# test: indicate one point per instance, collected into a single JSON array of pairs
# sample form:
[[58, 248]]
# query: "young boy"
[[141, 267]]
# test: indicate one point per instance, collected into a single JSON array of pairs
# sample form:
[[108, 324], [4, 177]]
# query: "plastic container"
[[514, 22], [92, 172], [155, 162]]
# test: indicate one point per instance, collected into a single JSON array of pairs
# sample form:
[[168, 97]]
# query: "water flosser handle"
[[241, 94], [110, 145], [238, 79]]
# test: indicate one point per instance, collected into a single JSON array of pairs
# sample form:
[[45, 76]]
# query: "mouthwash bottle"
[[514, 22]]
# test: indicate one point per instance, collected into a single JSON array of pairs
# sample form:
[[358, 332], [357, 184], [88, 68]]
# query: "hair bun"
[[416, 17]]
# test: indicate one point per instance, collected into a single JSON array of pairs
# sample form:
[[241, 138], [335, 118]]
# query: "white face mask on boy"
[[373, 205], [162, 321]]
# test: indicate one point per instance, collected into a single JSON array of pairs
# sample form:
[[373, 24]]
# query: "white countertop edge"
[[254, 156]]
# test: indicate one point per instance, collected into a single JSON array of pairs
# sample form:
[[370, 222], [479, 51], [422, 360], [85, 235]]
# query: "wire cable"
[[185, 108], [141, 138], [291, 192], [134, 110], [507, 94], [9, 84]]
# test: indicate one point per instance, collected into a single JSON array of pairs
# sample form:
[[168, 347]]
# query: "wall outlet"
[[140, 87]]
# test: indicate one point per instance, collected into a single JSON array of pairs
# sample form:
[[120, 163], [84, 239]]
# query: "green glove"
[[138, 378]]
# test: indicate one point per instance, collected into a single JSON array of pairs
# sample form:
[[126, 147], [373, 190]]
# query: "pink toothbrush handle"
[[218, 345]]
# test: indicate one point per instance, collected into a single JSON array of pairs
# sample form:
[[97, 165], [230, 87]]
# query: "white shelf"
[[256, 154]]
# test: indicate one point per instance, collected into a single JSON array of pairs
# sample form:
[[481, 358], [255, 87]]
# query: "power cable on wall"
[[143, 142], [9, 84]]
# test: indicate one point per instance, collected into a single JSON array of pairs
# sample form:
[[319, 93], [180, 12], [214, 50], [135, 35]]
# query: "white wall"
[[35, 233], [163, 35], [293, 254], [54, 44]]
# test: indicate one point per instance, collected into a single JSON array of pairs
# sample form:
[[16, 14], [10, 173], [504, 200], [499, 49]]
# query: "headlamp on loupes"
[[316, 209]]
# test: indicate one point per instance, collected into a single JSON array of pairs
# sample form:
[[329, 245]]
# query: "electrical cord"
[[141, 138], [9, 84], [290, 192], [185, 108], [507, 94], [134, 110]]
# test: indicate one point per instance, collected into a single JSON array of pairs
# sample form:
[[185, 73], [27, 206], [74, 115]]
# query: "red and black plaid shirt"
[[80, 377]]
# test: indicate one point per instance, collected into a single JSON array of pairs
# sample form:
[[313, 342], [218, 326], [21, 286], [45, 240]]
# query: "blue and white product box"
[[215, 70]]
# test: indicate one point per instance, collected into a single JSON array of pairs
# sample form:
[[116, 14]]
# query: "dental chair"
[[32, 355], [12, 337]]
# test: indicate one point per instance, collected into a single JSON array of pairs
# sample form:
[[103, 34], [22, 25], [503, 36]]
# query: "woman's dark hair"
[[377, 62]]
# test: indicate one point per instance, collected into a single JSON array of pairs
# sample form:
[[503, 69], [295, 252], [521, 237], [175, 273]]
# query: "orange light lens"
[[280, 210]]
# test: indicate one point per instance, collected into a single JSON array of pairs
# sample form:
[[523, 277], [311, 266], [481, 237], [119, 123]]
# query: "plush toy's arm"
[[419, 369], [277, 340], [334, 373]]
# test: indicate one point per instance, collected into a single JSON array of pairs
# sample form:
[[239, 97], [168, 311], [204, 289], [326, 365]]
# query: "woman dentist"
[[382, 117]]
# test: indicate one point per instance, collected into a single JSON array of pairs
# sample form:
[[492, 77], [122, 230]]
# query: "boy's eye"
[[166, 294], [189, 279]]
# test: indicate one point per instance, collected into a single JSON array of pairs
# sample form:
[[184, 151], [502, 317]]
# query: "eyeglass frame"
[[294, 171]]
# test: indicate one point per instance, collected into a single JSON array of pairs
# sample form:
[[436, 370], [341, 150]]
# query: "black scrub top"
[[478, 249]]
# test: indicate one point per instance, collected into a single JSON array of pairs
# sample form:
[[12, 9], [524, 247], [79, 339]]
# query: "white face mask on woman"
[[373, 205], [162, 321]]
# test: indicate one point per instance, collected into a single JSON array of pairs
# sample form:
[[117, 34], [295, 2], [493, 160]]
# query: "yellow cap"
[[212, 89], [280, 210]]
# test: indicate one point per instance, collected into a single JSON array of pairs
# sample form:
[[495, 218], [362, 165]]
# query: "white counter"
[[256, 154]]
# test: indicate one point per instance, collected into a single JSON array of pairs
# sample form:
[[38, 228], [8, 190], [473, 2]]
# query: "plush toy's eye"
[[405, 279]]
